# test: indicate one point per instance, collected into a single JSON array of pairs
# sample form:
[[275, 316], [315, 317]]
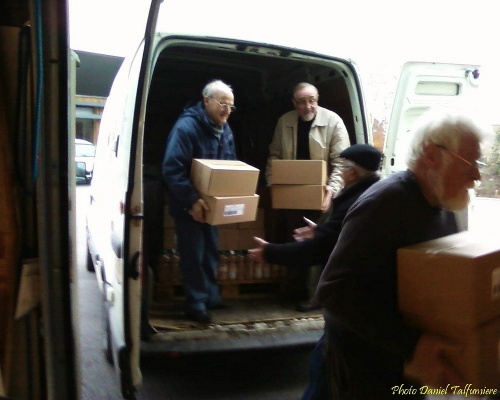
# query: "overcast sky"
[[377, 34]]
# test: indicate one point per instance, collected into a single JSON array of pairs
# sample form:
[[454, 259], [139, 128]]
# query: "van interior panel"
[[262, 80]]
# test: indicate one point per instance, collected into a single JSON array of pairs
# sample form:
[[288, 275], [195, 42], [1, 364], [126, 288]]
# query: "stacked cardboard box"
[[298, 184], [228, 187], [239, 236], [451, 286]]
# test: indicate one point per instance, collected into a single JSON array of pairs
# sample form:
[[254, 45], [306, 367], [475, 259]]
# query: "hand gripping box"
[[454, 278], [298, 172], [224, 177], [451, 286]]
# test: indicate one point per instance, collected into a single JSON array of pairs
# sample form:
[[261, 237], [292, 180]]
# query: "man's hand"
[[430, 365], [306, 232], [198, 210], [327, 199], [257, 253]]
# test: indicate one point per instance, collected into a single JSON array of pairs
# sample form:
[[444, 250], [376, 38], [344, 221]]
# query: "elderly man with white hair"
[[370, 348], [201, 131]]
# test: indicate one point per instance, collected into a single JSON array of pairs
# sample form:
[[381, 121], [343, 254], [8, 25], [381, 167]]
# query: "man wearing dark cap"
[[360, 164]]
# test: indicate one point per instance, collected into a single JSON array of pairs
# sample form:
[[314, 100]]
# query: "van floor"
[[169, 316]]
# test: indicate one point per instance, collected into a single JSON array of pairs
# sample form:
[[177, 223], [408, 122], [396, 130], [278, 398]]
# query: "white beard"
[[457, 203], [308, 117]]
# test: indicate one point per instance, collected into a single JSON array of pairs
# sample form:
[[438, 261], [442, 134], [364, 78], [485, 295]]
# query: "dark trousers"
[[318, 387], [286, 221], [199, 258], [359, 371]]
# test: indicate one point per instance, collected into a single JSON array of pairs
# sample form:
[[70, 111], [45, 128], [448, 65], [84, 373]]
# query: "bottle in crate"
[[257, 270], [231, 266], [240, 265], [164, 272], [275, 271], [174, 264], [222, 271], [249, 268], [266, 270]]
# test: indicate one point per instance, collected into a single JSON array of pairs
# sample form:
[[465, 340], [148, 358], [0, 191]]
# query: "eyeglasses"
[[226, 107], [306, 101], [476, 164]]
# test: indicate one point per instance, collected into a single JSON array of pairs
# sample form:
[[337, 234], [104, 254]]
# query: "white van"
[[130, 238], [84, 155]]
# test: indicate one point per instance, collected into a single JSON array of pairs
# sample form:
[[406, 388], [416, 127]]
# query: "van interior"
[[262, 79]]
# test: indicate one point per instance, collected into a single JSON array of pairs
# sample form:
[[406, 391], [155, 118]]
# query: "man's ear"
[[432, 156]]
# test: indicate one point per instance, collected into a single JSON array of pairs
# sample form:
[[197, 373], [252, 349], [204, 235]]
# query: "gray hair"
[[216, 86], [302, 85], [360, 171], [446, 128]]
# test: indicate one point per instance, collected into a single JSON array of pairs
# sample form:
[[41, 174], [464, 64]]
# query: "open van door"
[[423, 86], [119, 158]]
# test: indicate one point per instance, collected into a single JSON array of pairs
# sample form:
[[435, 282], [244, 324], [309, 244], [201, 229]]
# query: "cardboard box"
[[228, 238], [258, 223], [478, 360], [231, 209], [224, 177], [297, 197], [451, 279], [246, 238], [298, 172]]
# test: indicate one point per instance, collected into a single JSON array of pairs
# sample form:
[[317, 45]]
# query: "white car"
[[84, 158]]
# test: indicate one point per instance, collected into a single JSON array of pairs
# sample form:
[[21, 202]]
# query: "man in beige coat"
[[309, 132]]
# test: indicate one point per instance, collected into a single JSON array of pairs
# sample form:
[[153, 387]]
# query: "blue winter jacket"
[[193, 136]]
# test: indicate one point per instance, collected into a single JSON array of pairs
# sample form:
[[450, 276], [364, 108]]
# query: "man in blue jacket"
[[202, 132]]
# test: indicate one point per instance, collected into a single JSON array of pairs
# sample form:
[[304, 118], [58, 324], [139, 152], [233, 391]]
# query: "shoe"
[[202, 317], [218, 306], [306, 306]]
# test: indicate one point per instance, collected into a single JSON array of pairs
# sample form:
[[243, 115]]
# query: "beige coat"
[[327, 138]]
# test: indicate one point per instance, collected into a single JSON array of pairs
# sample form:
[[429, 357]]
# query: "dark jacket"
[[358, 287], [317, 249], [193, 136]]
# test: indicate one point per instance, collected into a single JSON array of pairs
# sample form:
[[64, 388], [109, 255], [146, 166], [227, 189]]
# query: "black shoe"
[[218, 306], [202, 317], [308, 306]]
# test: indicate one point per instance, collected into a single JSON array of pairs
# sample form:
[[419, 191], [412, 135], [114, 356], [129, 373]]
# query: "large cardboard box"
[[297, 197], [258, 223], [224, 177], [299, 172], [478, 360], [228, 238], [451, 279], [231, 209]]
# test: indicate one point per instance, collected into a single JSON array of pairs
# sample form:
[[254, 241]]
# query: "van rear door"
[[423, 86], [119, 158]]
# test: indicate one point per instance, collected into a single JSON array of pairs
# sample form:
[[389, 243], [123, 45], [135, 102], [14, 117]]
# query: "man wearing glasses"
[[309, 132], [201, 131], [370, 346]]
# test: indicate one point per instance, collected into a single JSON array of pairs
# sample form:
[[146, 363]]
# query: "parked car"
[[84, 158]]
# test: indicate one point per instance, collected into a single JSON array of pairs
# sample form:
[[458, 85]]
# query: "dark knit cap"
[[366, 156]]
